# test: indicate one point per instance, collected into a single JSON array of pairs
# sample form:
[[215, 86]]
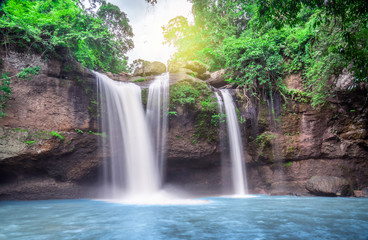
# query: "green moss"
[[140, 80], [144, 96], [197, 96], [56, 134], [29, 142], [288, 164]]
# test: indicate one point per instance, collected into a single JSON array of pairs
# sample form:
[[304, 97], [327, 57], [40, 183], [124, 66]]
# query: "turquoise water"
[[262, 217]]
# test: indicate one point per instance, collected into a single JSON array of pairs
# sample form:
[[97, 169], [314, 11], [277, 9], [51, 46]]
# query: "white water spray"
[[131, 170], [157, 104], [235, 144]]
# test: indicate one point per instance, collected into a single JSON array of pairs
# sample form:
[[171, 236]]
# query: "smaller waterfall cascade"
[[235, 144], [157, 106], [131, 169]]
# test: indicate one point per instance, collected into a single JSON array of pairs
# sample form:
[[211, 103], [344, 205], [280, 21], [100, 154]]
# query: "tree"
[[349, 17], [98, 40]]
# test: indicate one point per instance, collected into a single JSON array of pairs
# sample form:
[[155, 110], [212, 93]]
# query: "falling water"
[[131, 168], [226, 176], [235, 144], [157, 104]]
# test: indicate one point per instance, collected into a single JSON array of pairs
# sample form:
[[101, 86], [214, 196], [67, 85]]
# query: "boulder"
[[123, 76], [196, 66], [217, 79], [328, 186], [174, 67], [138, 71], [187, 71], [150, 68], [204, 76]]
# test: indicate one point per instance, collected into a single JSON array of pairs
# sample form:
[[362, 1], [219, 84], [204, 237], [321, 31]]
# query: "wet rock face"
[[56, 99], [288, 149], [192, 163], [34, 163], [52, 169], [328, 186]]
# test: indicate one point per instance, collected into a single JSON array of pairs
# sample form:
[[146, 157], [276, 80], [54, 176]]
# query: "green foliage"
[[296, 95], [172, 114], [265, 138], [29, 142], [288, 164], [261, 42], [28, 73], [32, 136], [78, 131], [104, 135], [139, 80], [187, 93], [197, 96], [56, 134], [254, 61], [218, 118], [97, 39], [5, 91], [347, 20], [144, 94]]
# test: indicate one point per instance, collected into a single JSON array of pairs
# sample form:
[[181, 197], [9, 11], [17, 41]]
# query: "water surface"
[[261, 217]]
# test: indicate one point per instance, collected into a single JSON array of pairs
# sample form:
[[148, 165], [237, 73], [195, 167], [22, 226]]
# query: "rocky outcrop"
[[328, 186], [123, 76], [150, 68], [193, 68], [204, 76], [217, 79], [196, 66], [193, 164], [48, 148], [291, 143]]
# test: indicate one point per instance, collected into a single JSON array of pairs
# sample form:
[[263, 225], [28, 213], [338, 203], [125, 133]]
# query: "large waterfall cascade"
[[239, 177], [157, 105], [137, 141], [132, 170]]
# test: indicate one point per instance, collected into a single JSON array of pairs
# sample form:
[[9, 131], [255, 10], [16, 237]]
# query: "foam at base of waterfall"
[[238, 196], [161, 197]]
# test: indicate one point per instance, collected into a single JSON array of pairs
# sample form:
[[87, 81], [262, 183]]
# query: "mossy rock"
[[195, 95], [196, 66]]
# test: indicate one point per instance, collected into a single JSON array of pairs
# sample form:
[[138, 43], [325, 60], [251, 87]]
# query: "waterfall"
[[157, 107], [235, 144], [131, 169]]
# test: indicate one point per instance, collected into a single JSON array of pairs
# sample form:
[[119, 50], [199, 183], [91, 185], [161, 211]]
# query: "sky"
[[146, 21]]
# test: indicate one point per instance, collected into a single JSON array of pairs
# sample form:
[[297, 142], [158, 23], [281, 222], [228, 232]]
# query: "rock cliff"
[[48, 148], [49, 139]]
